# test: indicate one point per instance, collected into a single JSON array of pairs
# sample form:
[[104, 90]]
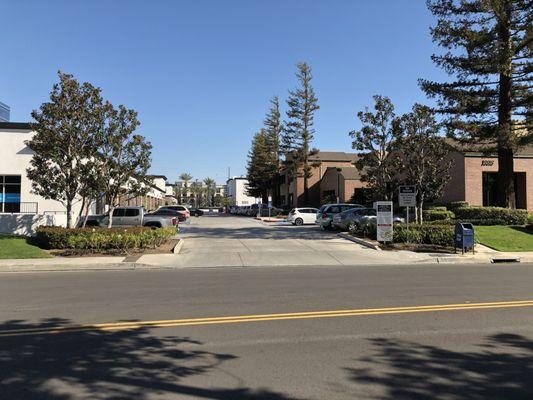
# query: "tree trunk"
[[110, 218], [83, 200], [421, 214], [306, 191], [69, 213], [506, 189], [86, 216]]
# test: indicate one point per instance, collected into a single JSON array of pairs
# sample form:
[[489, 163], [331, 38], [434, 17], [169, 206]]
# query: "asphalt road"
[[385, 347]]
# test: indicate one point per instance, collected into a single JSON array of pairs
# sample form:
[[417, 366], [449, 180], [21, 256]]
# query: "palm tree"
[[186, 177], [209, 190], [196, 193]]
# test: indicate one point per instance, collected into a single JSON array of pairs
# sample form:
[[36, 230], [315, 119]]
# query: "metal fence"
[[19, 208]]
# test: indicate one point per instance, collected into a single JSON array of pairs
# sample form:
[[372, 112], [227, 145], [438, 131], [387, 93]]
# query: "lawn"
[[17, 247], [505, 238]]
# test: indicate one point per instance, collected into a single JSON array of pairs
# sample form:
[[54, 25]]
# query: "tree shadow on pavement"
[[111, 365], [502, 368]]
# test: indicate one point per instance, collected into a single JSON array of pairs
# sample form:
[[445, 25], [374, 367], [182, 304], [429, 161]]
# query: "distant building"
[[237, 190], [5, 112], [220, 190]]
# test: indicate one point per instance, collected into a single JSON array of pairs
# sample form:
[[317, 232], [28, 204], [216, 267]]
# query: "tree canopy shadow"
[[111, 365], [502, 368]]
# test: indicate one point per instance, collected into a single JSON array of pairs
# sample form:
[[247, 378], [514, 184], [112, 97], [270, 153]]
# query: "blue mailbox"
[[464, 237]]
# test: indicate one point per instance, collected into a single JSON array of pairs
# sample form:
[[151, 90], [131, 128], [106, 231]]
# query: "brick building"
[[334, 175], [474, 176]]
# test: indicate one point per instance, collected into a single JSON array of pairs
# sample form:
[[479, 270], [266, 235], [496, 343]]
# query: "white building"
[[20, 209], [237, 190]]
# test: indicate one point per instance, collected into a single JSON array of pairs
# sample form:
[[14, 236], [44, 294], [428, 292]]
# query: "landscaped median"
[[502, 229], [101, 240], [50, 241]]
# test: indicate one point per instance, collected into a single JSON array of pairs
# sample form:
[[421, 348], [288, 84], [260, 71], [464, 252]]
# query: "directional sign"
[[407, 196], [384, 221]]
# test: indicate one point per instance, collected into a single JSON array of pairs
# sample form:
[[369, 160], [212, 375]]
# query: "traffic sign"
[[384, 221], [407, 196]]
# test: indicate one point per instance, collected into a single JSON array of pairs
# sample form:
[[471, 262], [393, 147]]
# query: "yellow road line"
[[113, 326]]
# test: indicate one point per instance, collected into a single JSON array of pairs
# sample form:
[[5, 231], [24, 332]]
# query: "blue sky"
[[201, 73]]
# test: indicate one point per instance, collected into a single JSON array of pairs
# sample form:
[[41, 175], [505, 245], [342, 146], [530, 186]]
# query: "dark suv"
[[324, 216]]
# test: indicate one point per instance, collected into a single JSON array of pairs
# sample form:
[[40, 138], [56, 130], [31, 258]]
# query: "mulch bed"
[[165, 248]]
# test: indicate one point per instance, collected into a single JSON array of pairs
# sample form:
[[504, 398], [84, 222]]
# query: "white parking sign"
[[384, 221]]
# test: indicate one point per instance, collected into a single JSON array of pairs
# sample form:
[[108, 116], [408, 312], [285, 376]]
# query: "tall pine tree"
[[299, 133], [273, 128], [261, 166], [488, 52]]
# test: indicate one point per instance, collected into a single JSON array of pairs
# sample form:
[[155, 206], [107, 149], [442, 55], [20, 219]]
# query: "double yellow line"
[[116, 326]]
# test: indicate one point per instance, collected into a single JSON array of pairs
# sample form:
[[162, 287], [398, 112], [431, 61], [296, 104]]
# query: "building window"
[[10, 193], [490, 189]]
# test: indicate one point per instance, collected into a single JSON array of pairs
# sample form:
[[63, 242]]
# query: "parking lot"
[[220, 240]]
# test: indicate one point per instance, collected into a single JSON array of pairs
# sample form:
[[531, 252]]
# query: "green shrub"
[[435, 208], [437, 215], [509, 216], [454, 205], [439, 235], [97, 240], [530, 218]]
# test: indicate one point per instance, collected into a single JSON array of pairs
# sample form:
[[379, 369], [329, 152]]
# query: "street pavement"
[[370, 332]]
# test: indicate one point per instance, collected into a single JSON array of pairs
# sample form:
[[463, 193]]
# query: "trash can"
[[464, 237]]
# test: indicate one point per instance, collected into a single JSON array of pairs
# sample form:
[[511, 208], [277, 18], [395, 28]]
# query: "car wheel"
[[352, 226], [299, 222]]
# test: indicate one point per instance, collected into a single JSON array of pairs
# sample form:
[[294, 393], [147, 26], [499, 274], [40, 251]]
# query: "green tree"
[[489, 45], [126, 156], [210, 187], [186, 178], [378, 163], [196, 191], [65, 141], [273, 127], [261, 166], [298, 133], [423, 154]]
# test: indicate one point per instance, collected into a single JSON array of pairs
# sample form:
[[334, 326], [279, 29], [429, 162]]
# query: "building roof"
[[157, 176], [15, 125], [334, 156], [348, 173]]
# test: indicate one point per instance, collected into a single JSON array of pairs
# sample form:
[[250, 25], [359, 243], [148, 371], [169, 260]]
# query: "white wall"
[[15, 158], [237, 188], [25, 224]]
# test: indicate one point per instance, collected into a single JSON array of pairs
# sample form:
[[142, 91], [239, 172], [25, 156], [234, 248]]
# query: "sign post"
[[384, 221], [407, 198], [269, 206]]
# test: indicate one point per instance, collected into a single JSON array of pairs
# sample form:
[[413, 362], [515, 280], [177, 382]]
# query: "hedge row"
[[509, 216], [437, 214], [439, 235], [101, 239]]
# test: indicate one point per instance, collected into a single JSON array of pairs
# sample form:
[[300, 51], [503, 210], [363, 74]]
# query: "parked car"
[[196, 212], [350, 219], [300, 216], [180, 215], [181, 208], [368, 220], [324, 217], [133, 216]]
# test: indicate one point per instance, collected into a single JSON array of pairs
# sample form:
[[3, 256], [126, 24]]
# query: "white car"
[[300, 216]]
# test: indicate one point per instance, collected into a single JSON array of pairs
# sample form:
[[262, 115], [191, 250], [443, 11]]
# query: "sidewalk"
[[257, 259]]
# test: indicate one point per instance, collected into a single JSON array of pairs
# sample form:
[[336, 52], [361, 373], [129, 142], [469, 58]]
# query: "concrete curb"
[[360, 241], [178, 246]]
